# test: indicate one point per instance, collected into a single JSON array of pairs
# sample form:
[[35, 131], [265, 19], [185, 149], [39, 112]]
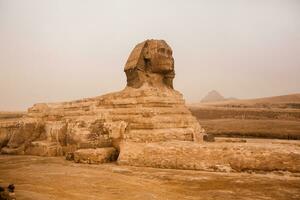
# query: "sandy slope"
[[283, 101]]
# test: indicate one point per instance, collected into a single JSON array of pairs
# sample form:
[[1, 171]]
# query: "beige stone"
[[150, 62], [44, 148], [95, 156], [212, 156]]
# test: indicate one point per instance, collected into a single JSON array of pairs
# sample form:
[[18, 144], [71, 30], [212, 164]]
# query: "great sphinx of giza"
[[145, 124], [147, 110]]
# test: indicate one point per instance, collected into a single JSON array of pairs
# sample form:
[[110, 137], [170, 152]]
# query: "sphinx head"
[[150, 62]]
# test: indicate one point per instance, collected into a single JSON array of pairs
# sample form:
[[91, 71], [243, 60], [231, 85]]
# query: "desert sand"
[[46, 178], [270, 117]]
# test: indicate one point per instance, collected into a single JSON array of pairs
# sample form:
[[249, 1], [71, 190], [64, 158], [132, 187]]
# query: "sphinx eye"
[[161, 50], [169, 52]]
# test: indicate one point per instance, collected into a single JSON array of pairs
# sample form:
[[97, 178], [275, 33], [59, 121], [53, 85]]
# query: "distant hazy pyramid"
[[213, 96]]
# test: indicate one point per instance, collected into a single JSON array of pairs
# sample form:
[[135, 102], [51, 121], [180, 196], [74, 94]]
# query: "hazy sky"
[[63, 50]]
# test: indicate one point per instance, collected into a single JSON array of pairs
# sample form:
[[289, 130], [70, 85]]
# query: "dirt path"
[[42, 178]]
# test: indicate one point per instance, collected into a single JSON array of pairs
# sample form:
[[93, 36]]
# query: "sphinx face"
[[160, 56], [150, 62]]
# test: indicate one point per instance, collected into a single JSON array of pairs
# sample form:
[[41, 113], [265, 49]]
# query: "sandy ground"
[[55, 178]]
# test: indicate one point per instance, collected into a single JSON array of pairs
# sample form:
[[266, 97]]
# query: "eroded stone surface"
[[150, 62], [95, 156], [223, 157]]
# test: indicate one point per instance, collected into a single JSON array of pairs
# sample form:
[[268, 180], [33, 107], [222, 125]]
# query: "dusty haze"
[[62, 50]]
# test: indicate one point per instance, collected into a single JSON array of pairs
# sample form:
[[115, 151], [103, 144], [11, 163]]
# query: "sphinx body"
[[147, 110]]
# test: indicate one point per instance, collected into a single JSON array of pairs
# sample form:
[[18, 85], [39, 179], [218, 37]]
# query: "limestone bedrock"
[[147, 110]]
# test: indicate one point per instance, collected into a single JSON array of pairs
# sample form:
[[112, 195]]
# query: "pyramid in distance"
[[212, 96]]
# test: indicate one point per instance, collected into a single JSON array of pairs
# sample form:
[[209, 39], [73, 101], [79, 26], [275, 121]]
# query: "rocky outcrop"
[[16, 137], [225, 157]]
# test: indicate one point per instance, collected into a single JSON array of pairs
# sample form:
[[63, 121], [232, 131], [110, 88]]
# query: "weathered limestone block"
[[87, 133], [5, 135], [211, 156], [160, 135], [95, 156], [26, 131], [209, 138], [7, 127], [44, 148], [116, 129], [55, 131], [13, 151]]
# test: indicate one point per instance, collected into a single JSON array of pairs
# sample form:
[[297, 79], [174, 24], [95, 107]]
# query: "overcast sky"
[[63, 50]]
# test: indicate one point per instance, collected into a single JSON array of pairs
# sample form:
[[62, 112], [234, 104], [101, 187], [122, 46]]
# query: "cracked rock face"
[[147, 110]]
